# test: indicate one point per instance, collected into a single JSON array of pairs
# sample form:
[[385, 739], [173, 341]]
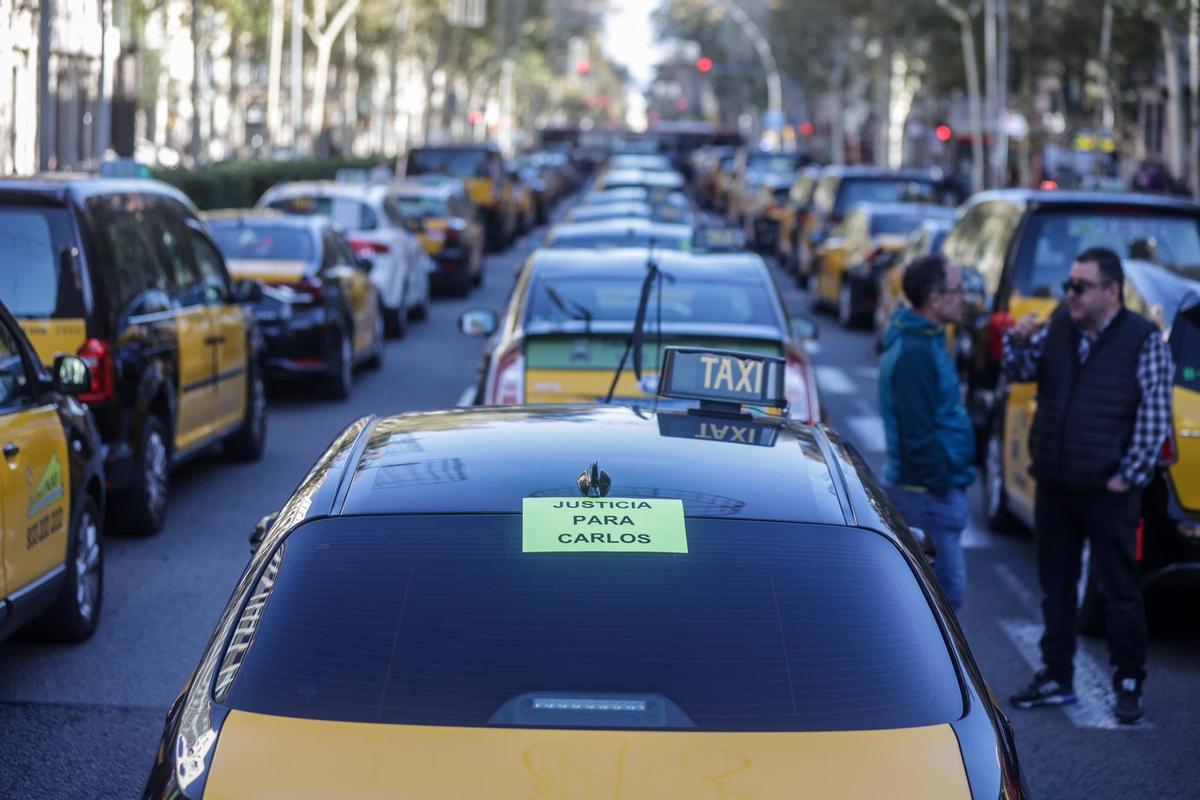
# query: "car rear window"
[[455, 162], [443, 620], [1052, 238], [854, 191], [708, 301], [349, 214], [32, 239], [894, 224], [272, 242]]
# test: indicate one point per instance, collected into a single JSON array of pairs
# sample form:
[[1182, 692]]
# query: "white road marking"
[[1093, 685], [868, 372], [835, 380], [467, 398], [867, 433]]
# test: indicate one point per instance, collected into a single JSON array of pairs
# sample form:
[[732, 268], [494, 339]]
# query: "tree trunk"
[[1174, 110], [1000, 153], [1194, 100], [350, 89], [324, 40], [274, 73]]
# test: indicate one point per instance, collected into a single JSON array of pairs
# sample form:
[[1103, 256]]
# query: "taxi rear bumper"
[[300, 347]]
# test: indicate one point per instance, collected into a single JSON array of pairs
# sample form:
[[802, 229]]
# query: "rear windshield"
[[350, 214], [894, 224], [444, 621], [882, 190], [32, 239], [706, 301], [589, 240], [419, 207], [1052, 239], [272, 242], [458, 163]]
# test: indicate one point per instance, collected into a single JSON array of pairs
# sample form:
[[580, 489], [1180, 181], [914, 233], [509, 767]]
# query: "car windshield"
[[442, 620], [458, 163], [1053, 238], [31, 239], [690, 300], [894, 224], [882, 190], [420, 207], [264, 241]]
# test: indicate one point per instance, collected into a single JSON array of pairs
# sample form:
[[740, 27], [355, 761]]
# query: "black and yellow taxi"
[[481, 168], [841, 188], [851, 261], [795, 222], [319, 314], [51, 492], [124, 274], [926, 239], [657, 603], [439, 212], [1019, 245], [567, 333], [639, 209]]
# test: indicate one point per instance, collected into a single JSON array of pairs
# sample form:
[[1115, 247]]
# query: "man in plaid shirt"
[[1104, 378]]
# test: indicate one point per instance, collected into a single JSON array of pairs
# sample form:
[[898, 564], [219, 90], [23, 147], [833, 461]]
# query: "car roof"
[[1051, 198], [460, 462], [231, 216], [353, 191], [60, 186], [616, 227], [441, 187], [843, 171], [630, 262]]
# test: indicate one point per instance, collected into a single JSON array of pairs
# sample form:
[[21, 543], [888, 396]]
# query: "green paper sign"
[[602, 525]]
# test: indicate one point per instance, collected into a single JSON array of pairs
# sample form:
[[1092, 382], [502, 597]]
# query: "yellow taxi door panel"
[[51, 337], [832, 262], [264, 756], [229, 326], [196, 392], [1018, 420], [1185, 472], [37, 510], [359, 292]]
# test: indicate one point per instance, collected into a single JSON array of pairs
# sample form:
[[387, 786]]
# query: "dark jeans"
[[1109, 522]]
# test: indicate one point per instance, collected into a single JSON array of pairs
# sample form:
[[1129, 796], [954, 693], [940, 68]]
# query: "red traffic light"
[[583, 66], [475, 116], [704, 64], [943, 133], [807, 129]]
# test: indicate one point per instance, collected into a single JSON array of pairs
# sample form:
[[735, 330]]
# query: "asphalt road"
[[83, 722]]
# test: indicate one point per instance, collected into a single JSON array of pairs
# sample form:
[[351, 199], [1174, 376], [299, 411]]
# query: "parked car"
[[376, 230], [926, 239], [481, 168], [124, 274], [320, 314], [439, 212]]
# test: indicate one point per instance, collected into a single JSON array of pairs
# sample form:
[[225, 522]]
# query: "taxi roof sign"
[[722, 377]]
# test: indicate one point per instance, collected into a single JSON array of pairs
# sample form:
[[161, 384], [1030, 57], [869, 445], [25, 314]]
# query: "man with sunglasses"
[[1104, 378]]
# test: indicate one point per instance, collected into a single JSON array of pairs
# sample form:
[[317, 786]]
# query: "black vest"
[[1085, 413]]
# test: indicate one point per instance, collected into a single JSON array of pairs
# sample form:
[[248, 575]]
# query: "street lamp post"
[[763, 48], [46, 98]]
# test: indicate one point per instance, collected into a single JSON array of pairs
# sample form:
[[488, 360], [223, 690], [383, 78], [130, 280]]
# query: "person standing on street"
[[1104, 377], [930, 441]]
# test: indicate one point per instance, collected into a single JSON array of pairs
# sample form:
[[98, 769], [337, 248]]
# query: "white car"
[[400, 267]]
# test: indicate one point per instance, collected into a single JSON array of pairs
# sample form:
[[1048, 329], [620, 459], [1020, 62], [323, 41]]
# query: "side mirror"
[[71, 375], [804, 328], [479, 322], [247, 291], [260, 531], [365, 264]]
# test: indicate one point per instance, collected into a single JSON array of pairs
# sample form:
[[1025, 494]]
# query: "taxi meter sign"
[[723, 377], [602, 525]]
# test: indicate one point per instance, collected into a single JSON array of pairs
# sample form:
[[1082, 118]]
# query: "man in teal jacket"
[[930, 440]]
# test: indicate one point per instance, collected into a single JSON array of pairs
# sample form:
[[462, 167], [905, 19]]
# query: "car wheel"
[[421, 310], [248, 443], [142, 509], [395, 320], [341, 376], [995, 507], [479, 264], [378, 346], [74, 615]]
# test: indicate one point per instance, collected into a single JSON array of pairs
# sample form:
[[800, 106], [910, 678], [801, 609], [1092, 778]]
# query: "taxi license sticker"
[[602, 525]]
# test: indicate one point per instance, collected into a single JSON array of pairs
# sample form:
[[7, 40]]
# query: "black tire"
[[395, 321], [75, 613], [142, 508], [340, 379], [375, 360], [478, 278], [421, 310], [995, 506], [250, 439]]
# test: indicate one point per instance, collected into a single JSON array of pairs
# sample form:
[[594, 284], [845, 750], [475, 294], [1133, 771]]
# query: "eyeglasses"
[[1077, 287]]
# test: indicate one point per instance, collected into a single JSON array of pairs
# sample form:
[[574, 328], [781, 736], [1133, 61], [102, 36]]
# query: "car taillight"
[[998, 325], [508, 383], [799, 389], [98, 355], [310, 290], [366, 249], [1169, 454]]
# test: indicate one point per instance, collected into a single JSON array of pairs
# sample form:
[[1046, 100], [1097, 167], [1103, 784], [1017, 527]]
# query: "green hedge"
[[239, 184]]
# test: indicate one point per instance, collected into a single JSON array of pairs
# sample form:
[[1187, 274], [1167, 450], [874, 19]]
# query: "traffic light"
[[943, 133], [704, 64], [583, 66]]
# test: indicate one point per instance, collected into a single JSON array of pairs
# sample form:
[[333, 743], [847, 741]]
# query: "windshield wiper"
[[571, 308], [638, 334]]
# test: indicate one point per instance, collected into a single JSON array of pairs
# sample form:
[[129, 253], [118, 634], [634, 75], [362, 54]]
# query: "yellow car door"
[[33, 480], [1018, 419], [228, 334], [833, 254], [341, 266]]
